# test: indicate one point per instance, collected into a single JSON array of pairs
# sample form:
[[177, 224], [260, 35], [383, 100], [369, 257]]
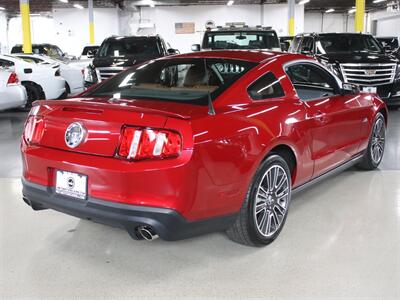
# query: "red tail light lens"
[[146, 143], [13, 79], [34, 129]]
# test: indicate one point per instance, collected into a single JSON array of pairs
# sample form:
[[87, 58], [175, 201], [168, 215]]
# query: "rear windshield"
[[241, 40], [180, 80], [129, 47]]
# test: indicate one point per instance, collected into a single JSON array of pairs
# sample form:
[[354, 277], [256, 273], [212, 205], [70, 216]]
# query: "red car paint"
[[220, 153]]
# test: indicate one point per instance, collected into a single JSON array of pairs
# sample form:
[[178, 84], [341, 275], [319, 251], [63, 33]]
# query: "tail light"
[[147, 143], [13, 79], [34, 129]]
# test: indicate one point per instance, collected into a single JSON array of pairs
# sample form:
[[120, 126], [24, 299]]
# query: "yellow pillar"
[[91, 22], [360, 15], [291, 28], [26, 26]]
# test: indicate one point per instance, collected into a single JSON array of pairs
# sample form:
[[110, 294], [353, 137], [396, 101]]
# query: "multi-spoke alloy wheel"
[[266, 205], [376, 147], [378, 141], [272, 200]]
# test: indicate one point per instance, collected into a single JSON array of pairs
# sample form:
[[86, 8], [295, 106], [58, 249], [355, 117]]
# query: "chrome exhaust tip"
[[146, 233]]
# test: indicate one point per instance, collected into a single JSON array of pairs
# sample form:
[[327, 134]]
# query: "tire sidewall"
[[369, 150], [255, 235]]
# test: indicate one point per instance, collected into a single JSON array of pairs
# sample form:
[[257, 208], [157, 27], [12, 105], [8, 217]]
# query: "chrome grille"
[[368, 74], [103, 73]]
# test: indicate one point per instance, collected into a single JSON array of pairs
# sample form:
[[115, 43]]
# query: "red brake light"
[[13, 79], [34, 129], [146, 143]]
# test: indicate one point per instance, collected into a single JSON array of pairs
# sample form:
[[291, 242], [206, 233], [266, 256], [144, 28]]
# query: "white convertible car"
[[40, 82], [12, 93], [73, 75]]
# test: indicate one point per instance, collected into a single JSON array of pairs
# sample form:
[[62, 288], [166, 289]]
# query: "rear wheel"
[[33, 92], [376, 146], [263, 213]]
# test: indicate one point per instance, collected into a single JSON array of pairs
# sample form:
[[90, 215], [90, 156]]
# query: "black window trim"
[[337, 81], [265, 99]]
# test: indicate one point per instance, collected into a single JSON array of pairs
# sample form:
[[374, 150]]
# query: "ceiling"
[[39, 6]]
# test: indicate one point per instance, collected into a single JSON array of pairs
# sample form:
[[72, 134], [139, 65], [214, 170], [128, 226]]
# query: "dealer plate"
[[71, 184], [369, 89]]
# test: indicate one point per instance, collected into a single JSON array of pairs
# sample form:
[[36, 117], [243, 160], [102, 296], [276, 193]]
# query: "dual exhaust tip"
[[146, 233]]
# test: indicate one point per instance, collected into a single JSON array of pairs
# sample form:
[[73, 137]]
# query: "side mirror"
[[387, 49], [350, 89], [196, 47], [172, 51]]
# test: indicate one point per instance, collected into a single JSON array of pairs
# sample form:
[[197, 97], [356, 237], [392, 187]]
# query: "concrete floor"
[[341, 241]]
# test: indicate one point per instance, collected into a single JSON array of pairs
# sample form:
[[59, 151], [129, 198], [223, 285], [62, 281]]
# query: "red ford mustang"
[[197, 143]]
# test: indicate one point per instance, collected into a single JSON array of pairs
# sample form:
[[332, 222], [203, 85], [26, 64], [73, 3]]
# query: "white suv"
[[41, 82]]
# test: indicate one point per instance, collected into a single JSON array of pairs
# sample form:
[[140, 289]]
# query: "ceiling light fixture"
[[230, 3], [63, 1], [78, 6], [2, 8], [378, 1], [352, 10], [330, 10], [302, 2]]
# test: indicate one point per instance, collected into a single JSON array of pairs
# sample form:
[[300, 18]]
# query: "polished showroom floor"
[[341, 241]]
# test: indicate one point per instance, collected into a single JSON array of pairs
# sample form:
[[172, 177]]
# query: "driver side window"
[[312, 82]]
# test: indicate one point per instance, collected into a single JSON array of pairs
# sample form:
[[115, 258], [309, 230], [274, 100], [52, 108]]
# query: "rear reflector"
[[34, 129], [146, 143]]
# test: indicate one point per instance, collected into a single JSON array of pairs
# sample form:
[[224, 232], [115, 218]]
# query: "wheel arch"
[[32, 83], [288, 154]]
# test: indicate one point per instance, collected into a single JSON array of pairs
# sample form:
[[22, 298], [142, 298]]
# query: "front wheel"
[[376, 146], [263, 213]]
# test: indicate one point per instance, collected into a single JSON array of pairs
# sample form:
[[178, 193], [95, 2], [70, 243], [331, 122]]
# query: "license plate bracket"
[[71, 184]]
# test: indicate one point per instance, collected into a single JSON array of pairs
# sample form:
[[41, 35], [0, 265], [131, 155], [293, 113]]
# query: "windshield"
[[241, 40], [129, 47], [182, 80], [336, 43]]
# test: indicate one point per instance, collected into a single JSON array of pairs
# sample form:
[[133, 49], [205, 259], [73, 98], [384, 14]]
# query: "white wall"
[[67, 28], [319, 22], [3, 33], [164, 18], [388, 23]]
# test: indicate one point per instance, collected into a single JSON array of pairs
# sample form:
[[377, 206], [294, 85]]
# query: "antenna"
[[211, 110]]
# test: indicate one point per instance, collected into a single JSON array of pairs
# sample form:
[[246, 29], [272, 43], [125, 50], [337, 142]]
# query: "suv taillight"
[[34, 129], [13, 79], [147, 143]]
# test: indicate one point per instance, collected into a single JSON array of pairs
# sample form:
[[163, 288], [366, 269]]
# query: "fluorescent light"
[[149, 3], [230, 2], [63, 1], [330, 10], [302, 2], [352, 11], [2, 8], [78, 6], [378, 1]]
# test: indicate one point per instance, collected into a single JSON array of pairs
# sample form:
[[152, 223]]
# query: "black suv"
[[239, 38], [117, 53], [355, 58]]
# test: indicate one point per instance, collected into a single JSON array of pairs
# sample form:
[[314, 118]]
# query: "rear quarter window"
[[266, 87]]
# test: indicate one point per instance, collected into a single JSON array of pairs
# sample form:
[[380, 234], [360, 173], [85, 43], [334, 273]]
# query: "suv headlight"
[[90, 74], [397, 77]]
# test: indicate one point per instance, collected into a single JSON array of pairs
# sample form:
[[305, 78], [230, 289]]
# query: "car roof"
[[256, 56]]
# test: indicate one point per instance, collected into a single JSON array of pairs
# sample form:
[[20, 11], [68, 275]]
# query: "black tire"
[[369, 162], [246, 230], [33, 92]]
